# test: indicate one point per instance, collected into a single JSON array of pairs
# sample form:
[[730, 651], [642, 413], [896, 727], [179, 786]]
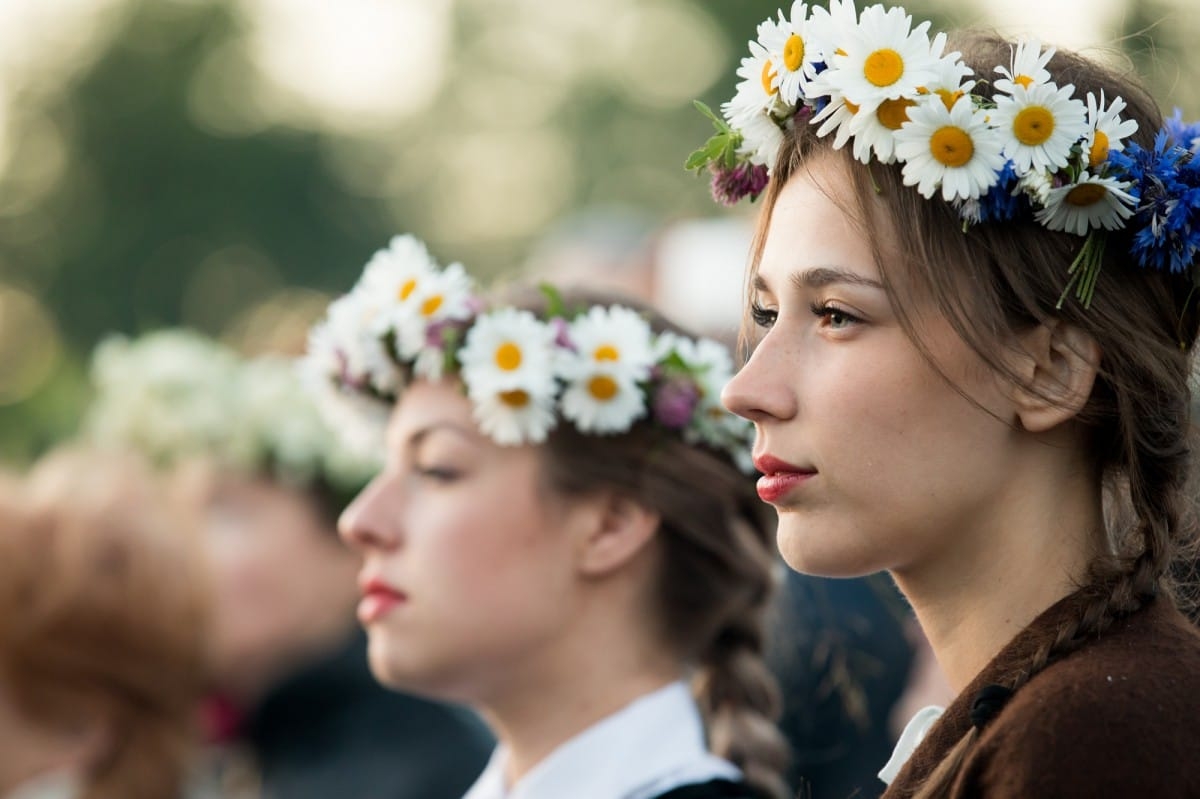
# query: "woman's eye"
[[835, 317], [438, 473], [763, 317]]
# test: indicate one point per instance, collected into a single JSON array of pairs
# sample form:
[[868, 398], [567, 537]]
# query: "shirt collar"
[[650, 746], [910, 739]]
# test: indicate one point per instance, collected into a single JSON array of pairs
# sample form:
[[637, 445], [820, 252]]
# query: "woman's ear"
[[617, 530], [1057, 365]]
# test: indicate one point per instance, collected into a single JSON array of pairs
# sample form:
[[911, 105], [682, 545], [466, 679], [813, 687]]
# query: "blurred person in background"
[[266, 480], [842, 650], [564, 533], [103, 606]]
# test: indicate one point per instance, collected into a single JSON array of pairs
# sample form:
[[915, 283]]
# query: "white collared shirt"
[[63, 784], [652, 745], [910, 739]]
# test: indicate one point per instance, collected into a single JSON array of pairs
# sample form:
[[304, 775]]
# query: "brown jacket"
[[1119, 717]]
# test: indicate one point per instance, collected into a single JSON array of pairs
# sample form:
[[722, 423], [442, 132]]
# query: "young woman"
[[561, 536], [973, 294], [102, 612]]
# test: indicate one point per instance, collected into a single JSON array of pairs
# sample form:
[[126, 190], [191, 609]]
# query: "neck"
[[556, 695], [1004, 571]]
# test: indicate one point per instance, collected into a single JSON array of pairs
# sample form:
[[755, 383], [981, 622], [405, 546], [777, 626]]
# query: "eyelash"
[[761, 316], [828, 312], [764, 317], [438, 474]]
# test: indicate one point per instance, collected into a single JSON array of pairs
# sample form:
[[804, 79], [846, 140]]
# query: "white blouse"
[[652, 745]]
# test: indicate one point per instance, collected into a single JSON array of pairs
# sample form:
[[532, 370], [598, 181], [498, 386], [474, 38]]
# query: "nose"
[[763, 390], [368, 522]]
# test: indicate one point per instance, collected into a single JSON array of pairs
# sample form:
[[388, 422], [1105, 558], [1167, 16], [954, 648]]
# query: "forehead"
[[815, 223], [425, 404]]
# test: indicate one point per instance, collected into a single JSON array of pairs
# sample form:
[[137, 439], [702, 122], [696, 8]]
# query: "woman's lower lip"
[[774, 487], [376, 605]]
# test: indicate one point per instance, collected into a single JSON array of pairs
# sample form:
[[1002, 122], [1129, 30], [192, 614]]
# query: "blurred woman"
[[294, 711], [561, 535], [102, 633]]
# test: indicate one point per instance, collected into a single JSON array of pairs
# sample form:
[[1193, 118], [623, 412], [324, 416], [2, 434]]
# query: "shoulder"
[[1115, 718], [714, 789]]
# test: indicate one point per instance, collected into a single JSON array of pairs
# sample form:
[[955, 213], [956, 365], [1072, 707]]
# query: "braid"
[[740, 700]]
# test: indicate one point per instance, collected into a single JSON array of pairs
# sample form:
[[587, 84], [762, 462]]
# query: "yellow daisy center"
[[883, 67], [949, 98], [1023, 80], [1033, 125], [606, 352], [430, 306], [1086, 194], [602, 387], [1099, 152], [768, 76], [408, 288], [508, 356], [851, 107], [951, 145], [793, 52], [894, 113], [515, 398]]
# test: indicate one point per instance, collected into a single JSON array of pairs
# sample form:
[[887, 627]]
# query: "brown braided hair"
[[999, 279], [717, 568]]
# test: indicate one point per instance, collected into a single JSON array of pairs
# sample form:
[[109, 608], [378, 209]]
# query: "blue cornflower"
[[1184, 134], [1166, 181], [1004, 201]]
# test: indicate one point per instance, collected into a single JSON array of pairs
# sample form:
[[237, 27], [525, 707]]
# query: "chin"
[[825, 550]]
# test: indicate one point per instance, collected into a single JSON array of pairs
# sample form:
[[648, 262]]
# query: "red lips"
[[379, 599], [780, 478]]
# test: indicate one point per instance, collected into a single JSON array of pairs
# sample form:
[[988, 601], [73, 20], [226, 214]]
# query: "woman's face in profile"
[[874, 461], [468, 573]]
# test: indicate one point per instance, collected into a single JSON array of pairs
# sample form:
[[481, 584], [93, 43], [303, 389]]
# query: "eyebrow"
[[819, 277], [415, 439]]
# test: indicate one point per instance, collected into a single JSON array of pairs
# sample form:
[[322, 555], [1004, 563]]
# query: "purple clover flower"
[[675, 402], [731, 185]]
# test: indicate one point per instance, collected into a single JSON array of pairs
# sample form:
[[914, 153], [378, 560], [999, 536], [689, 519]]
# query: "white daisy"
[[874, 131], [351, 335], [1106, 129], [794, 52], [603, 402], [761, 134], [1040, 125], [442, 296], [514, 416], [614, 352], [1036, 184], [950, 74], [615, 339], [395, 274], [835, 117], [952, 148], [1090, 202], [1028, 66], [882, 58], [508, 350]]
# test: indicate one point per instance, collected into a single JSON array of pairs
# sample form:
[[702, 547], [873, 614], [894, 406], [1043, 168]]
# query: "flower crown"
[[600, 368], [874, 81], [174, 394]]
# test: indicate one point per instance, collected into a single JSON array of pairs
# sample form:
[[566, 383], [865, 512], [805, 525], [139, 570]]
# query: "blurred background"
[[230, 164]]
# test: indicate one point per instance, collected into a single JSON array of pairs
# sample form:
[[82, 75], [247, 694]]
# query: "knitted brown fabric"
[[1118, 717]]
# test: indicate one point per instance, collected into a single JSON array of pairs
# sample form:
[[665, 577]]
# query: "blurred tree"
[[153, 215]]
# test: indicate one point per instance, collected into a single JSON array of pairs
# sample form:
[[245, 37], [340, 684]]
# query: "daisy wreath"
[[600, 368], [889, 89]]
